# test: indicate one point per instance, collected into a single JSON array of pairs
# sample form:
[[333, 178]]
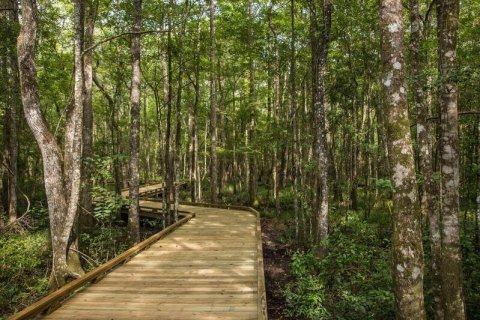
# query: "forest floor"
[[277, 258]]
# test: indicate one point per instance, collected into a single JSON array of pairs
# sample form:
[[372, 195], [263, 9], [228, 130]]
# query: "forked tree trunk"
[[407, 234], [62, 185], [451, 266], [133, 212]]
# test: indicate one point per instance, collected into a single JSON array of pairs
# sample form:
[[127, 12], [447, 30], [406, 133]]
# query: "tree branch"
[[119, 36]]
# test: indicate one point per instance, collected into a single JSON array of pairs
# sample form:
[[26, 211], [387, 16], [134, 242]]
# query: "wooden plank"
[[47, 301], [211, 268], [159, 307], [148, 315]]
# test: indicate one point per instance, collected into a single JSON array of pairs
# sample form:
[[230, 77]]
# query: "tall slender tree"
[[133, 213], [13, 121], [425, 149], [407, 235], [320, 44], [451, 267], [213, 110], [86, 201], [251, 132]]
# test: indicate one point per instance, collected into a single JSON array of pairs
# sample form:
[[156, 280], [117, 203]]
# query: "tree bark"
[[86, 198], [253, 165], [195, 177], [13, 136], [451, 267], [168, 91], [134, 209], [213, 110], [425, 152], [62, 185], [319, 59], [407, 235], [296, 143]]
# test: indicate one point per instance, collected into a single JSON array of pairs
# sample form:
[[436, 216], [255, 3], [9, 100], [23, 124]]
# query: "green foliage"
[[306, 297], [23, 266], [108, 204], [103, 244], [352, 282]]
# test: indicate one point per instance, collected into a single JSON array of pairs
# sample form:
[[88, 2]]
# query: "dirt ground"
[[277, 259]]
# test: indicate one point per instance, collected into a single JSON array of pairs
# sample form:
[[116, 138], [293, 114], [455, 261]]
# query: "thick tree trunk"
[[213, 110], [451, 268], [133, 212], [424, 141], [62, 185], [407, 235]]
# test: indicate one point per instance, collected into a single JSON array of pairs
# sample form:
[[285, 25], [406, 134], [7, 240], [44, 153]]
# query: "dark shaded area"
[[277, 257]]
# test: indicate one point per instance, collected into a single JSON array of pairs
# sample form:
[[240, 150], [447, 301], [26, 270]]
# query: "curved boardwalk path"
[[206, 269]]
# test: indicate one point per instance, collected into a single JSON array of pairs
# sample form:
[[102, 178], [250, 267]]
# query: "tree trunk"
[[296, 137], [451, 267], [133, 212], [319, 59], [407, 235], [253, 165], [86, 198], [213, 109], [13, 136], [478, 184], [62, 185], [424, 141], [169, 175], [195, 178]]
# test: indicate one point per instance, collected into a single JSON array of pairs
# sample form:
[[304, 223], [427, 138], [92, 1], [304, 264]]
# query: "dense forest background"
[[230, 93]]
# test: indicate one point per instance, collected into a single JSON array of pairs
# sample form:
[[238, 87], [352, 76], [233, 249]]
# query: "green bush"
[[352, 282], [24, 268]]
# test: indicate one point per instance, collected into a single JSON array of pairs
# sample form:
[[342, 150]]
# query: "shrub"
[[24, 268]]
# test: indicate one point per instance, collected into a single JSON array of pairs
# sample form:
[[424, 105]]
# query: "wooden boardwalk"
[[209, 268]]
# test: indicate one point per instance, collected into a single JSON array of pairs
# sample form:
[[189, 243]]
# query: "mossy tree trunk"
[[451, 265], [407, 235]]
